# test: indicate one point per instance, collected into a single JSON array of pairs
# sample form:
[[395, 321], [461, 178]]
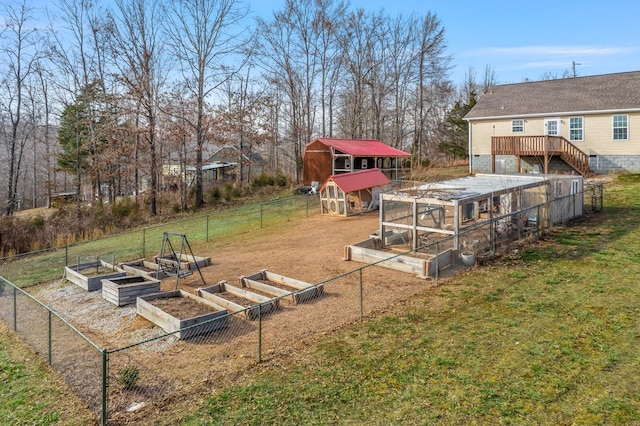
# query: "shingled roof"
[[607, 92]]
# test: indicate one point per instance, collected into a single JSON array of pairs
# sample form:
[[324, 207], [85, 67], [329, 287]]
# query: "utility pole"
[[574, 63]]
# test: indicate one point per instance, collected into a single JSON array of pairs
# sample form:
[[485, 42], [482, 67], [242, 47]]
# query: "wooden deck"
[[540, 146]]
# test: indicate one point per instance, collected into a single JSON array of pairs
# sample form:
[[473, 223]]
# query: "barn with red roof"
[[324, 157]]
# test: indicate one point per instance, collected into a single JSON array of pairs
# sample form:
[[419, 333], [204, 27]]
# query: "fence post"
[[492, 236], [50, 343], [105, 385], [15, 309], [260, 333], [437, 267], [66, 254], [361, 297], [601, 187]]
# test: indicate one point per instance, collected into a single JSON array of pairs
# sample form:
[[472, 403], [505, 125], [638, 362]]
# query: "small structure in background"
[[353, 193], [61, 199], [250, 162], [326, 157]]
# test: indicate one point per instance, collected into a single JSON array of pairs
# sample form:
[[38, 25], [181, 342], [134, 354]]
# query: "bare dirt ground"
[[173, 371]]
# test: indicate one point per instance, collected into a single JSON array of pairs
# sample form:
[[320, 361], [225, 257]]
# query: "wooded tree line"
[[103, 94]]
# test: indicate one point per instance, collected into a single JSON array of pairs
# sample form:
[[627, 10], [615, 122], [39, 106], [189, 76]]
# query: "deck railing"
[[543, 145]]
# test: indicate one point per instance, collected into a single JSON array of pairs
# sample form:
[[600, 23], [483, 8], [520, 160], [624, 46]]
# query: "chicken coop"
[[421, 214], [353, 193]]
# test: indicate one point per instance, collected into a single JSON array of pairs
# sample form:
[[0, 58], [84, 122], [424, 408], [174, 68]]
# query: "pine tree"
[[453, 133]]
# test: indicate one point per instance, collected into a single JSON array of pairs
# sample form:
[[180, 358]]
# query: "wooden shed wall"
[[317, 163]]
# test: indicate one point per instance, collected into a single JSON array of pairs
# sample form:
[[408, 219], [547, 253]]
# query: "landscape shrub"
[[263, 180], [214, 196], [128, 376], [231, 191]]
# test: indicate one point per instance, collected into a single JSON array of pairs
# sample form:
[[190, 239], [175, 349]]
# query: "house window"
[[517, 126], [575, 129], [620, 127]]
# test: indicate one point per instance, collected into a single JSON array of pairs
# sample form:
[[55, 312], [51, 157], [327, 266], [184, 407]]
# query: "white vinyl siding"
[[597, 133]]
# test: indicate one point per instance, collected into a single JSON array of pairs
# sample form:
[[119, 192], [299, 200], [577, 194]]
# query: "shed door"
[[552, 126]]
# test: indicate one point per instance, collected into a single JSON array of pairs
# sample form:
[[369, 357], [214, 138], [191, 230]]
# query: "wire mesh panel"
[[144, 376], [71, 354], [32, 323], [8, 296], [78, 361]]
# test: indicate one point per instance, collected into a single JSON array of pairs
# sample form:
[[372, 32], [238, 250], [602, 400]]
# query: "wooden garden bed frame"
[[143, 268], [367, 252], [299, 292], [201, 324], [123, 291], [91, 283], [258, 304]]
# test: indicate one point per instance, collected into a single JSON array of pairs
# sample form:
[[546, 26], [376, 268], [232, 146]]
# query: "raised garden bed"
[[89, 275], [124, 290], [236, 299], [367, 252], [281, 286], [143, 268], [174, 311]]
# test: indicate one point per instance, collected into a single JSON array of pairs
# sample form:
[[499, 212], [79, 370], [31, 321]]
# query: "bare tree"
[[203, 34], [178, 110], [137, 49], [243, 121], [401, 44], [489, 80], [360, 45], [43, 82], [20, 50], [79, 55], [297, 49], [433, 65], [327, 22]]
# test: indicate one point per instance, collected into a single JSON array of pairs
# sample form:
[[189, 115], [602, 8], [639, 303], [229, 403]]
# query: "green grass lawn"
[[30, 394], [547, 335]]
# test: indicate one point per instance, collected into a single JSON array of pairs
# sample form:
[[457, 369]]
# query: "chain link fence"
[[161, 370]]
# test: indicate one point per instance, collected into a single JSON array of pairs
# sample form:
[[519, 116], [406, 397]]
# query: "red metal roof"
[[356, 181], [362, 147]]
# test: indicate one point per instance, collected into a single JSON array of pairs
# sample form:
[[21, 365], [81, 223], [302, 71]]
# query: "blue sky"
[[518, 40], [524, 40]]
